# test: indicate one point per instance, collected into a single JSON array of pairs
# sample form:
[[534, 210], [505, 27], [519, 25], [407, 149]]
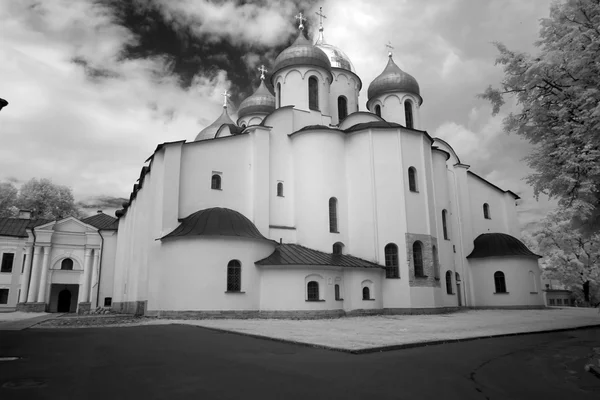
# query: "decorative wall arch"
[[313, 71], [291, 71], [341, 75], [392, 95], [57, 260]]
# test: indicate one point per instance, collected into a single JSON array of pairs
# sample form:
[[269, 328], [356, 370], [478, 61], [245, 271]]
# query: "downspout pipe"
[[30, 263], [99, 268]]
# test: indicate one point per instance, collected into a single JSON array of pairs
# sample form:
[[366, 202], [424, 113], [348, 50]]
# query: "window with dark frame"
[[436, 262], [333, 223], [500, 282], [278, 95], [486, 211], [418, 259], [336, 289], [551, 301], [107, 301], [312, 291], [408, 114], [215, 182], [342, 108], [3, 296], [338, 249], [313, 93], [23, 266], [7, 262], [445, 224], [66, 264], [234, 276], [412, 179], [392, 269], [366, 293], [378, 110], [280, 189], [449, 282]]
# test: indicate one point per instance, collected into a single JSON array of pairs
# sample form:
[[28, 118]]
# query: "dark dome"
[[216, 222], [261, 102], [498, 245], [393, 80], [301, 52], [211, 130]]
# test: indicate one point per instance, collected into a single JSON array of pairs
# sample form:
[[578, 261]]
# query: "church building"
[[305, 206]]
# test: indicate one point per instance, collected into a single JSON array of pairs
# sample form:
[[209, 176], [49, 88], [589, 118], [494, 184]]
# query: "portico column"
[[87, 274], [26, 275], [44, 280], [35, 274], [94, 276]]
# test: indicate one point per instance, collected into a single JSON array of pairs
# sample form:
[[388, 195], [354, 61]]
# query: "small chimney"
[[24, 214], [280, 240], [99, 212]]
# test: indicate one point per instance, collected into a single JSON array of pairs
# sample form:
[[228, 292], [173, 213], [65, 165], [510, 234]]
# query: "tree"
[[558, 94], [569, 254], [8, 199]]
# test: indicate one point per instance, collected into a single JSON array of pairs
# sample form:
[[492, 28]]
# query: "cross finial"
[[300, 18], [390, 48], [321, 16], [225, 95], [262, 71]]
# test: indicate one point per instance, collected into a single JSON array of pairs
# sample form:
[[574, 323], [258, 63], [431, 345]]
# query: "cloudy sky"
[[94, 86]]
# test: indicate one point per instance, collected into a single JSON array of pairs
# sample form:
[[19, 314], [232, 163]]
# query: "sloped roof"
[[216, 222], [102, 221], [16, 227], [295, 254], [498, 245]]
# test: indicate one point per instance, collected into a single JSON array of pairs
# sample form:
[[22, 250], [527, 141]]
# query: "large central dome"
[[301, 52]]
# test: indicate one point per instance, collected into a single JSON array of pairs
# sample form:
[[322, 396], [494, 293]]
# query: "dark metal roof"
[[392, 80], [216, 222], [102, 221], [16, 227], [260, 102], [494, 186], [301, 52], [498, 245], [295, 254]]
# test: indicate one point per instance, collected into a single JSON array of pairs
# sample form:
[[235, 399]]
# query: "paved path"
[[185, 362], [20, 324]]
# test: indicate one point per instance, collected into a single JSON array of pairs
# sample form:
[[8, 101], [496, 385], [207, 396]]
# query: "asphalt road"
[[186, 362]]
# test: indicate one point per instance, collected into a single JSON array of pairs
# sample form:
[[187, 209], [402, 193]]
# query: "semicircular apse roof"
[[216, 222], [498, 245]]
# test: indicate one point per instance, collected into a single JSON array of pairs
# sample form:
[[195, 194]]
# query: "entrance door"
[[64, 301], [458, 289]]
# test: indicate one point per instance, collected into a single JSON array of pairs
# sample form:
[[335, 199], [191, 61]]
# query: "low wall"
[[31, 307], [130, 307]]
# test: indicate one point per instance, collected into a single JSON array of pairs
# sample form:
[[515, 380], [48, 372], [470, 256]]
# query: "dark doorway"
[[64, 301], [459, 290]]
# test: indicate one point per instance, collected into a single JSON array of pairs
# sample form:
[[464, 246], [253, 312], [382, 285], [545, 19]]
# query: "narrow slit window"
[[418, 259], [278, 95], [448, 282], [337, 292], [445, 223], [412, 179], [333, 221], [378, 110], [366, 293], [215, 182], [500, 282], [408, 113], [486, 211], [234, 276], [391, 261], [280, 189], [342, 108], [313, 93]]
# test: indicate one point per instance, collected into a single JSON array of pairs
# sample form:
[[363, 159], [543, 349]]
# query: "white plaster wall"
[[294, 87], [11, 280], [392, 108], [480, 193], [516, 273], [107, 273], [344, 84], [417, 204], [191, 273], [423, 297], [353, 284]]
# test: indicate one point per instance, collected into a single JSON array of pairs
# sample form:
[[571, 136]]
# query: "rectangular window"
[[7, 262], [107, 301], [3, 296], [551, 301], [23, 266]]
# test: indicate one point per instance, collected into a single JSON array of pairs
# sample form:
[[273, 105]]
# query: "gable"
[[72, 225]]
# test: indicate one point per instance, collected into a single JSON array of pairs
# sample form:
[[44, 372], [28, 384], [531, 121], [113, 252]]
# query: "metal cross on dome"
[[262, 70], [321, 16], [300, 18], [225, 95], [390, 48]]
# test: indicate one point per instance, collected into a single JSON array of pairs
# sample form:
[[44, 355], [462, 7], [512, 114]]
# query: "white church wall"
[[358, 118], [191, 274], [232, 160], [319, 174], [344, 84], [354, 280], [464, 227], [294, 87], [417, 207], [281, 170], [481, 192], [430, 200], [423, 297], [260, 167], [443, 202], [392, 109], [107, 272], [518, 283]]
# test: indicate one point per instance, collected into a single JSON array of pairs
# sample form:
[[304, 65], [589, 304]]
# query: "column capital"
[[88, 252], [37, 249], [47, 250]]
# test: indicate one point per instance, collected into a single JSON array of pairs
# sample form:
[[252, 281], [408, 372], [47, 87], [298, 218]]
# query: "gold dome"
[[261, 102], [393, 80], [337, 57]]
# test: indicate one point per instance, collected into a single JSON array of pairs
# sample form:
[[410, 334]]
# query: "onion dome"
[[261, 102], [216, 222], [211, 130], [498, 245], [393, 80], [301, 52], [337, 57]]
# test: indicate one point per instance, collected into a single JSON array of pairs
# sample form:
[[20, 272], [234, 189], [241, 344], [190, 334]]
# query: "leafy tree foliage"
[[558, 94], [42, 197]]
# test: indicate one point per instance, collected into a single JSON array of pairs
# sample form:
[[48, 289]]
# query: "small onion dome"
[[216, 222], [210, 131], [261, 102], [393, 80], [337, 57], [498, 245], [301, 52]]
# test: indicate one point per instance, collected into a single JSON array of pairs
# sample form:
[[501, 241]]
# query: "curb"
[[391, 347], [23, 324]]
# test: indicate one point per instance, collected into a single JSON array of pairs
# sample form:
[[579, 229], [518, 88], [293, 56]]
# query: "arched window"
[[336, 289], [532, 282], [234, 276], [412, 179], [67, 264], [278, 95], [436, 263], [500, 282], [313, 93], [486, 211], [215, 182], [391, 261], [338, 248], [342, 108], [312, 290], [418, 259], [333, 223], [445, 224], [378, 110], [448, 282], [280, 189], [366, 293], [408, 114]]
